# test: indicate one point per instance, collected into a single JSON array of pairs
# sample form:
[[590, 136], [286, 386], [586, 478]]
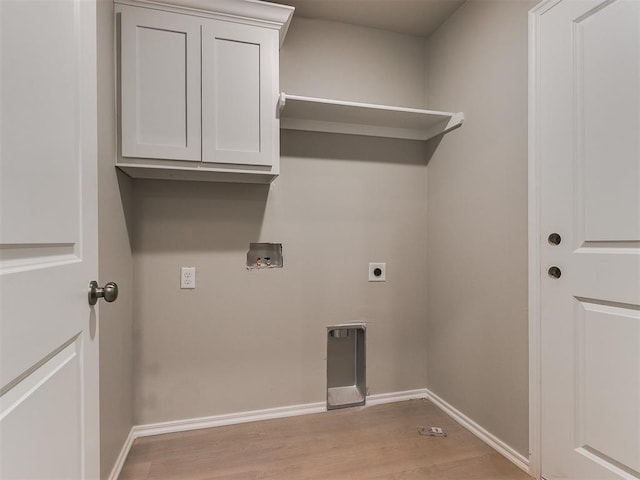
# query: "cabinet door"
[[160, 85], [239, 94]]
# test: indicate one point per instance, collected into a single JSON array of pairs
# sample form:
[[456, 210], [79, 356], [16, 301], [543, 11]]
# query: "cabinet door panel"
[[237, 79], [239, 94], [160, 59]]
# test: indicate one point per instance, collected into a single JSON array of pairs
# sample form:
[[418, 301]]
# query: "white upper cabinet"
[[160, 72], [199, 89], [239, 94]]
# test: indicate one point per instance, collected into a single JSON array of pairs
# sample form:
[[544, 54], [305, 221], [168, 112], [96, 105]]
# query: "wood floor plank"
[[374, 443]]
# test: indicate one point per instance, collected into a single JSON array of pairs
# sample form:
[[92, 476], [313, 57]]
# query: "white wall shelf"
[[336, 116]]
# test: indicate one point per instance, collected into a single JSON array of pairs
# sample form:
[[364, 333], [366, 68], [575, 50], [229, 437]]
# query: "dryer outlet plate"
[[378, 272]]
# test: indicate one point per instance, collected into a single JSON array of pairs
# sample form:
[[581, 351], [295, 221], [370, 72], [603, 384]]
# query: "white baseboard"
[[227, 419], [267, 414], [122, 456], [380, 398], [139, 431], [487, 437]]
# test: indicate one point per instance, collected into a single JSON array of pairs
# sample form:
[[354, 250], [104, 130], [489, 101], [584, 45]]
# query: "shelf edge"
[[282, 100], [450, 121]]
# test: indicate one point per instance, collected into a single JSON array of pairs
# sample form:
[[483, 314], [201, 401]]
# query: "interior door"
[[588, 146], [49, 419]]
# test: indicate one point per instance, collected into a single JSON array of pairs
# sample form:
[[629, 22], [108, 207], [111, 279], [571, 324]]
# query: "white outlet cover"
[[188, 278], [383, 274]]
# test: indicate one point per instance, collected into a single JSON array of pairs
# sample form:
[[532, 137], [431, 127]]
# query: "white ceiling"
[[413, 17]]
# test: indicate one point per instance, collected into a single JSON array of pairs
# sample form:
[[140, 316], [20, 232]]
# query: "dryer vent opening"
[[346, 367]]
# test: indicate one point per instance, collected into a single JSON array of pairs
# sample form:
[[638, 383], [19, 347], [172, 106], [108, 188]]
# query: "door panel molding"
[[21, 258]]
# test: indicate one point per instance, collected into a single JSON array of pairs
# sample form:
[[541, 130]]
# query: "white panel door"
[[160, 84], [588, 148], [49, 418], [239, 94]]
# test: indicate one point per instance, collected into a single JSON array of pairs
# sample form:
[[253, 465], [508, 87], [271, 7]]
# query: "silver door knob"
[[109, 292]]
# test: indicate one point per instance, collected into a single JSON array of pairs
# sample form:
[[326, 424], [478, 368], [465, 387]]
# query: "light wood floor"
[[373, 443]]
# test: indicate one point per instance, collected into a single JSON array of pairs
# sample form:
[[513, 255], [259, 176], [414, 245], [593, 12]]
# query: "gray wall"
[[346, 62], [477, 218], [252, 340], [115, 262]]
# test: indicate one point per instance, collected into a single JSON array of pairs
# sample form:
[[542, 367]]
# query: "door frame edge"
[[535, 235]]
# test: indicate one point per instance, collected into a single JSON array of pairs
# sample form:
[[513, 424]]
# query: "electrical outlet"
[[377, 272], [188, 277]]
